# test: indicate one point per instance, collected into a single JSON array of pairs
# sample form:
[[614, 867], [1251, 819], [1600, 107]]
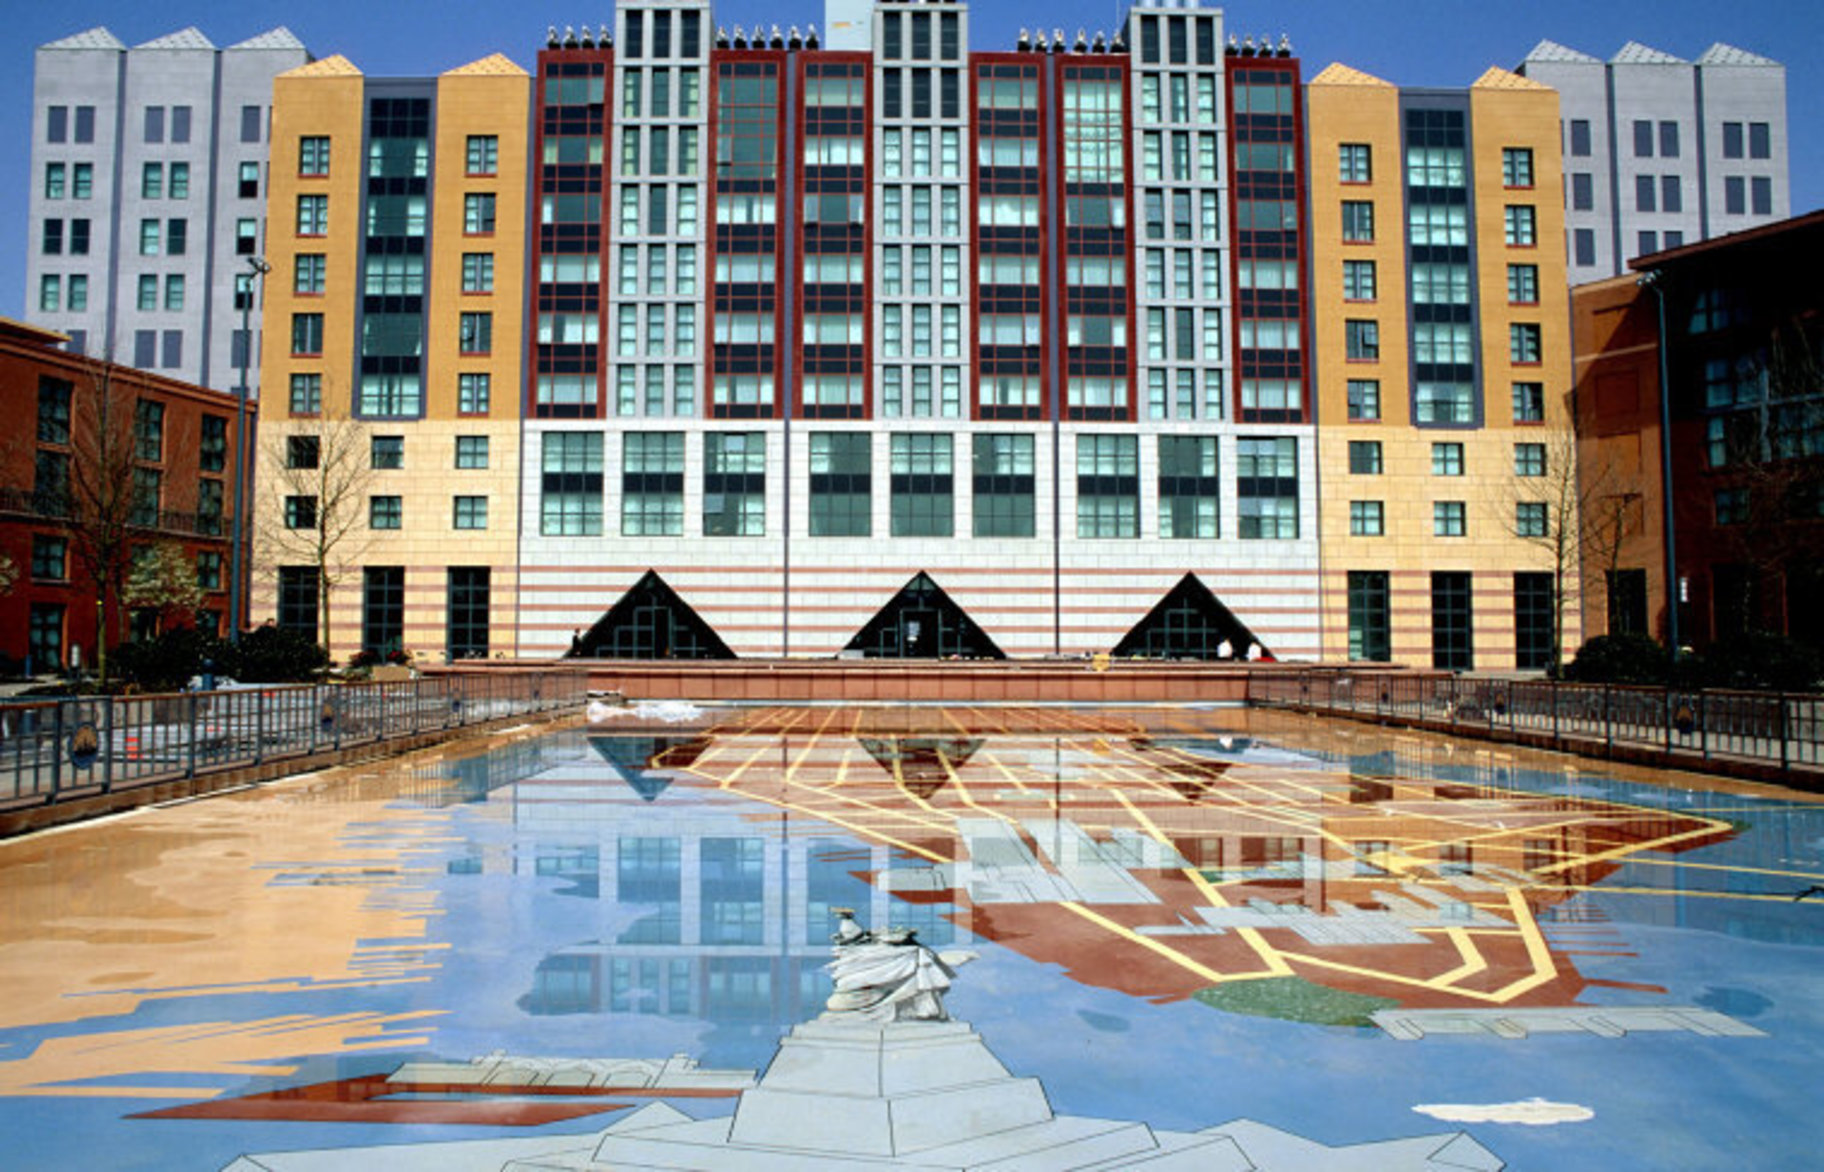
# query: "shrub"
[[1762, 662], [276, 655], [1619, 659], [165, 664]]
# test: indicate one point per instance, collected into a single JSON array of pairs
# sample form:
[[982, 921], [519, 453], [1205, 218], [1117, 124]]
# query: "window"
[[50, 293], [1534, 621], [571, 484], [306, 394], [922, 485], [154, 130], [734, 484], [179, 187], [1671, 194], [1668, 140], [477, 333], [1365, 457], [1646, 194], [471, 451], [652, 484], [52, 242], [1523, 341], [50, 558], [1731, 506], [1367, 519], [247, 236], [473, 393], [1370, 616], [1448, 519], [1735, 195], [54, 176], [1529, 459], [478, 214], [1363, 340], [1530, 519], [149, 237], [467, 634], [309, 275], [1516, 167], [56, 123], [1355, 161], [298, 600], [313, 155], [1267, 487], [1358, 280], [1643, 139], [1108, 486], [1364, 399], [44, 636], [1358, 221], [1583, 191], [303, 451], [1760, 140], [300, 512], [313, 215], [387, 451], [1447, 459], [85, 124], [383, 608], [840, 488], [469, 512], [250, 123], [1003, 484], [1760, 190], [248, 181], [1189, 490], [174, 292], [1523, 284], [307, 333], [1583, 246], [1520, 223], [483, 156], [385, 512], [478, 272]]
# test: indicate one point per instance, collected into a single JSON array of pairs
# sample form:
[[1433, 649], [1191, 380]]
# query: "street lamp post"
[[236, 583], [1650, 280]]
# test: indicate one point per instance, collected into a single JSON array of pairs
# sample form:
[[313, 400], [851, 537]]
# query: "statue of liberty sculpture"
[[887, 976]]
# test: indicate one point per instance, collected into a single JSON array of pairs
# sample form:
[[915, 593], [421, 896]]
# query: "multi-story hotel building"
[[1443, 371], [148, 196], [890, 347], [388, 511], [1660, 152], [886, 347]]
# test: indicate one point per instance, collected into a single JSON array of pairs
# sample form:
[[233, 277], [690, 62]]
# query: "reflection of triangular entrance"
[[641, 761], [919, 763], [651, 622], [1189, 623], [921, 622]]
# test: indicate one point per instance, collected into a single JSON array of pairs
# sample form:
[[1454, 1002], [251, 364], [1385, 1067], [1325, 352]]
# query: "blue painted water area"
[[574, 896]]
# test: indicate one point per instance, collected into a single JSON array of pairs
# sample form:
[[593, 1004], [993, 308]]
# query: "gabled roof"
[[273, 38], [183, 38], [1337, 73], [495, 64], [335, 65], [1501, 79], [95, 38], [1560, 54], [1721, 54], [1635, 53]]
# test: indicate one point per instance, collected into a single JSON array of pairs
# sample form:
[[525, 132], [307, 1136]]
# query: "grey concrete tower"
[[1660, 152], [148, 191]]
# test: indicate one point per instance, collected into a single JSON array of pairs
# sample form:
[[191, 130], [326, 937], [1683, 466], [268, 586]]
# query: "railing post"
[[56, 753], [1703, 723], [259, 725], [1666, 717], [190, 727], [1554, 695], [1785, 752], [1608, 728], [107, 756]]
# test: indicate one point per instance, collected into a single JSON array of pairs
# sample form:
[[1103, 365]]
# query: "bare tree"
[[313, 507], [1573, 514], [112, 491]]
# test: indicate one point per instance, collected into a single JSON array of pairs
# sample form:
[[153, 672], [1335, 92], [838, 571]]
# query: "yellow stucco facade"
[[1441, 494], [423, 486]]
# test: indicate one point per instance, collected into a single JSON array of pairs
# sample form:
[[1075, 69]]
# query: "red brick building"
[[105, 472], [1742, 327]]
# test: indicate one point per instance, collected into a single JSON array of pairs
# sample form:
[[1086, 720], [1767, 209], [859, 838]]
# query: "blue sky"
[[1415, 42]]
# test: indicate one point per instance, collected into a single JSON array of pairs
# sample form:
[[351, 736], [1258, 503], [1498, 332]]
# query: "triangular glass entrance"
[[650, 622], [921, 622], [1190, 623]]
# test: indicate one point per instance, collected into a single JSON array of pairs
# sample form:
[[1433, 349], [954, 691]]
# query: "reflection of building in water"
[[708, 907]]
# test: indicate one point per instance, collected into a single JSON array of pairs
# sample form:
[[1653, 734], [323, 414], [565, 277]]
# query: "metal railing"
[[52, 750], [1783, 729]]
